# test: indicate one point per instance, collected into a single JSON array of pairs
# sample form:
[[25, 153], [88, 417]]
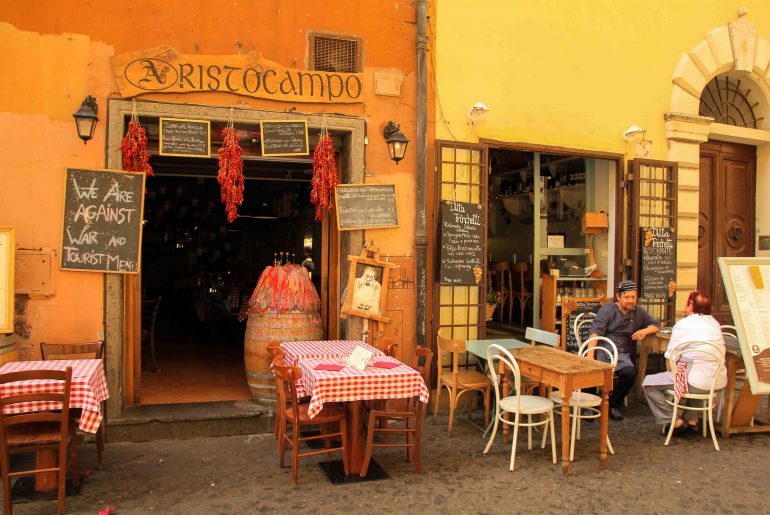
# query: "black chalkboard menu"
[[189, 138], [366, 206], [570, 339], [284, 138], [462, 253], [658, 263], [102, 221]]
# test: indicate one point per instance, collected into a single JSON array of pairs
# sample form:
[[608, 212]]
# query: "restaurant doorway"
[[204, 269]]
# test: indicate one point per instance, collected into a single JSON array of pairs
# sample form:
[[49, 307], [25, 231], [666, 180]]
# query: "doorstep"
[[143, 423]]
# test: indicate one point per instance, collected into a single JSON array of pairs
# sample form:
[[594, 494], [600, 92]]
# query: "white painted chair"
[[713, 355], [517, 404], [580, 400], [580, 321]]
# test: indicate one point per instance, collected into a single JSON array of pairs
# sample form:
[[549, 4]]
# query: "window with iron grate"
[[334, 53], [728, 101]]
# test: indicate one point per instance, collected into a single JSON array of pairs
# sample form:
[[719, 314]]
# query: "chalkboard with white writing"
[[284, 138], [366, 206], [658, 263], [102, 221], [189, 138], [462, 252], [576, 306]]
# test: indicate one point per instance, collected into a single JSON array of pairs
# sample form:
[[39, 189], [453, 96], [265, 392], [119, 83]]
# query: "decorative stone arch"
[[732, 48]]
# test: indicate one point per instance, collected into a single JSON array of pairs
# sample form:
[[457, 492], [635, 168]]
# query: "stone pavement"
[[240, 474]]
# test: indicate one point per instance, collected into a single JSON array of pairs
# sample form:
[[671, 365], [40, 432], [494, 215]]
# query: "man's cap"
[[624, 286]]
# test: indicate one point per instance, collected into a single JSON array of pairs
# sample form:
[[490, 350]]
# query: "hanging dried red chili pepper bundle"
[[230, 174], [134, 148], [324, 175]]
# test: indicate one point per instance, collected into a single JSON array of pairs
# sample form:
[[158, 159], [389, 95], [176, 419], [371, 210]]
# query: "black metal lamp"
[[86, 119], [396, 141]]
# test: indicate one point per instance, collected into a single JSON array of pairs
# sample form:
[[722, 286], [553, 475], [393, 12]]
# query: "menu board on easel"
[[747, 284], [7, 249]]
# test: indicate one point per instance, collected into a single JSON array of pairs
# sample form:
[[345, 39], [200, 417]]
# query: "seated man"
[[623, 322], [700, 327]]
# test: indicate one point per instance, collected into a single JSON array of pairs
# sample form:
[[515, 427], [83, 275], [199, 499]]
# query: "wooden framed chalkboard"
[[366, 206], [284, 138], [102, 230], [462, 238], [658, 263], [188, 138]]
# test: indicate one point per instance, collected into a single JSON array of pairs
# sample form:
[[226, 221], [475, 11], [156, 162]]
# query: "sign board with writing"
[[747, 284], [658, 263], [462, 238], [188, 138], [102, 221], [284, 138], [366, 206], [571, 309]]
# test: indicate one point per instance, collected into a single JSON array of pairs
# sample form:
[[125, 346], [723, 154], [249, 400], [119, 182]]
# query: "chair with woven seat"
[[411, 411], [296, 415], [88, 350], [458, 382], [586, 405], [711, 355], [503, 282], [35, 431], [149, 317], [519, 290], [517, 404]]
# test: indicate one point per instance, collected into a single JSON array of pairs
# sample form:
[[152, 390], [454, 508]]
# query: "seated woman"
[[697, 326]]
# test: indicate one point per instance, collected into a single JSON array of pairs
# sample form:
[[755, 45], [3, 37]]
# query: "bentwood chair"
[[296, 415], [520, 292], [586, 405], [458, 382], [503, 283], [90, 350], [388, 346], [411, 411], [34, 431], [517, 404], [710, 354], [581, 320]]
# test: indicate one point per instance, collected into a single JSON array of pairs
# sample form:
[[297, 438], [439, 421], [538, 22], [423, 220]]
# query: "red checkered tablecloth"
[[88, 390], [351, 384], [294, 351]]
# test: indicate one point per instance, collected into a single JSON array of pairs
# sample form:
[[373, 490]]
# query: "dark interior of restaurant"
[[204, 268]]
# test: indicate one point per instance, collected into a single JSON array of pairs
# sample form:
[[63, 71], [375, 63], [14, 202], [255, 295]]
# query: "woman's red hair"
[[701, 302]]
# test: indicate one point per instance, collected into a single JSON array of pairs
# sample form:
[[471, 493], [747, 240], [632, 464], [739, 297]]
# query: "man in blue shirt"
[[623, 322]]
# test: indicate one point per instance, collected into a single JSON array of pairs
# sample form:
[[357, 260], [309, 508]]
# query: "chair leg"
[[494, 432], [673, 421], [345, 450], [369, 441], [515, 440], [452, 403], [545, 433], [573, 433], [74, 467], [487, 401], [609, 446], [6, 469], [436, 401], [711, 426], [417, 437], [553, 437], [61, 478], [282, 446], [295, 454], [100, 447], [529, 432]]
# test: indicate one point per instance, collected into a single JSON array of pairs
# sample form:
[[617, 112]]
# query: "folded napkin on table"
[[386, 364], [329, 366]]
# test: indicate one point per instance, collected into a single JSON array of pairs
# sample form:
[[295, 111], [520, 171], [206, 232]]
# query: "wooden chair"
[[388, 346], [296, 415], [458, 382], [149, 317], [411, 411], [38, 431], [275, 354], [503, 283], [90, 350], [520, 291]]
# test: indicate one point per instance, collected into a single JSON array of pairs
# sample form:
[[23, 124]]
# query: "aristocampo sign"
[[164, 70]]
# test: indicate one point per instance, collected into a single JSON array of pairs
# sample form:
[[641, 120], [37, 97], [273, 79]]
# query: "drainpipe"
[[421, 240]]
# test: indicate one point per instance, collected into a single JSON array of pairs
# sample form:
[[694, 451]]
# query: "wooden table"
[[657, 342], [567, 372], [88, 390]]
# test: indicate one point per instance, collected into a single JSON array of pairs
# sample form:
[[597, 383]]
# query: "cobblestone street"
[[240, 474]]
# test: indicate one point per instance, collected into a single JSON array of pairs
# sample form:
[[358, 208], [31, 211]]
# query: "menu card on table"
[[360, 357]]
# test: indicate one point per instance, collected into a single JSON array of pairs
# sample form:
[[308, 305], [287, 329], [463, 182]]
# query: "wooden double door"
[[726, 214]]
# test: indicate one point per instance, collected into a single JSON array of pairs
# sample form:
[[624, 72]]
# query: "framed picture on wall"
[[556, 241], [367, 288]]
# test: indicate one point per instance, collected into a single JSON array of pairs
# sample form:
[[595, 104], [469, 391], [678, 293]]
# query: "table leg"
[[354, 443], [565, 439], [603, 430], [644, 354], [45, 481], [727, 406]]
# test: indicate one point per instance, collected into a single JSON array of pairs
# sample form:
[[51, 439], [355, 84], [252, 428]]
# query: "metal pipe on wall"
[[421, 240]]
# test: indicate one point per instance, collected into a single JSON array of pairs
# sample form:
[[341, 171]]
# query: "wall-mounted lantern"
[[396, 141], [86, 119]]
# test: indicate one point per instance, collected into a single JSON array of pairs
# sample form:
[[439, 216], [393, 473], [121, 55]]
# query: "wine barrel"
[[8, 350], [262, 329]]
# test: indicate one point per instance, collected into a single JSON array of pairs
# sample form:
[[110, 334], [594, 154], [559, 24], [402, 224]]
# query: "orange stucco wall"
[[56, 53]]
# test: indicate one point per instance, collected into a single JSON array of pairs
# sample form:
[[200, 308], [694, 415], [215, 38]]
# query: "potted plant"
[[493, 299]]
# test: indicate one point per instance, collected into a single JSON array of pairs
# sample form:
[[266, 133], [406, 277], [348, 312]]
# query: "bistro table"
[[353, 386], [657, 342], [567, 372], [335, 349], [88, 390]]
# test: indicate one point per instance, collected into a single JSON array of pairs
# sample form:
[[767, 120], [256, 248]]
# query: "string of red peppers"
[[230, 176], [324, 175], [134, 149]]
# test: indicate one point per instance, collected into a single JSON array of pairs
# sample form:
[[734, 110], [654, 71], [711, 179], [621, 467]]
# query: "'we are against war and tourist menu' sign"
[[102, 221], [658, 263], [462, 252]]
